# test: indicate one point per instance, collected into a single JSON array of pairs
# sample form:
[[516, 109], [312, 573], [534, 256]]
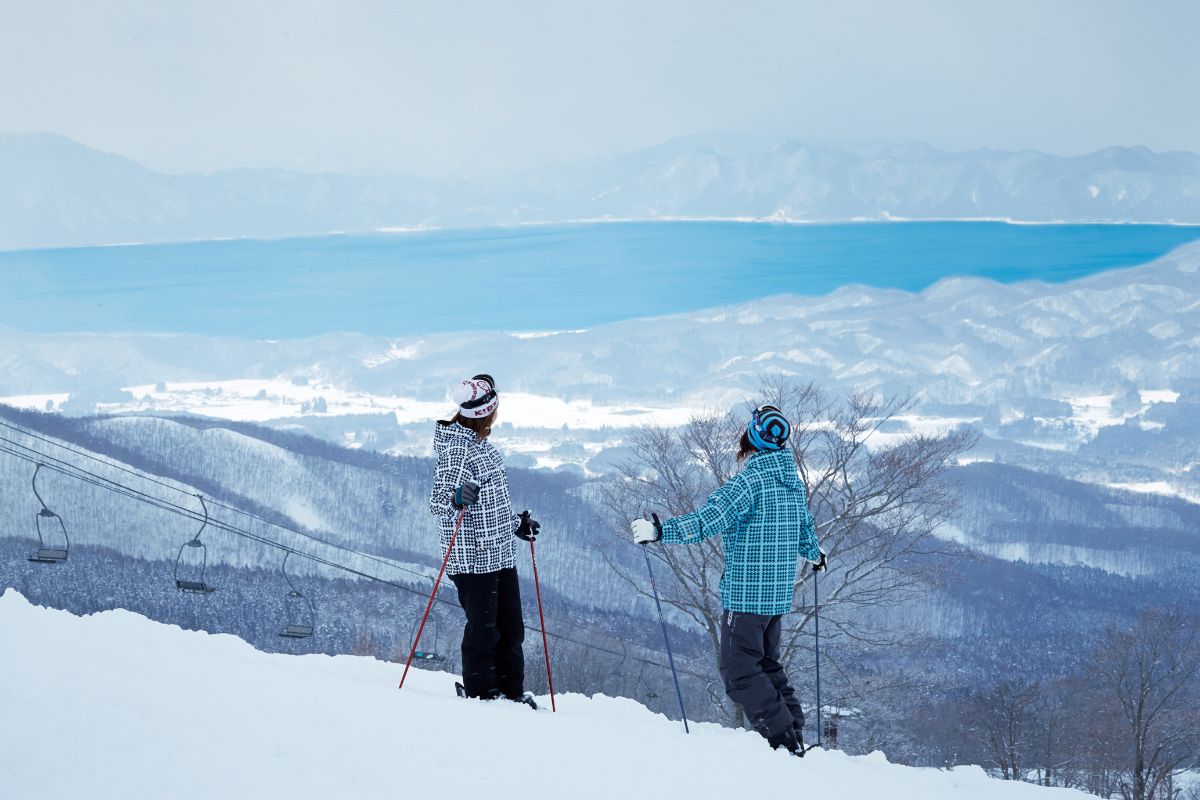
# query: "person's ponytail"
[[482, 426], [745, 448]]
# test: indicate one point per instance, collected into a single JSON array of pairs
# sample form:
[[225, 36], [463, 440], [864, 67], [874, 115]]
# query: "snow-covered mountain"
[[55, 192], [157, 711], [797, 181]]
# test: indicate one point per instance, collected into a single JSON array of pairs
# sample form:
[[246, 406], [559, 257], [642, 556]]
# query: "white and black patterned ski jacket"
[[486, 542]]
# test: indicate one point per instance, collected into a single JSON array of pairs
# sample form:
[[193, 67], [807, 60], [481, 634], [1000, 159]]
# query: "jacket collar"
[[444, 434], [779, 464]]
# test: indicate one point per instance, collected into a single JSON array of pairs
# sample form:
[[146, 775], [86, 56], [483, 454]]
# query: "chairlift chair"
[[189, 572], [648, 692], [52, 552], [301, 615], [435, 655]]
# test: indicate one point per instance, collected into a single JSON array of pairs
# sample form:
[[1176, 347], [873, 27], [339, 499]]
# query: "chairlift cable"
[[67, 468], [158, 481], [155, 480], [108, 484], [117, 488]]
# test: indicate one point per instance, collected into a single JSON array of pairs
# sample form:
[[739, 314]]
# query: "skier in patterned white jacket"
[[470, 481], [763, 518]]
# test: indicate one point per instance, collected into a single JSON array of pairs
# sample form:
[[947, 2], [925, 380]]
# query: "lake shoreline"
[[529, 278]]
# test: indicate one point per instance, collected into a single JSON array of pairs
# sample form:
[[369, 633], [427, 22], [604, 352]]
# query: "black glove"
[[529, 527], [466, 495], [820, 565]]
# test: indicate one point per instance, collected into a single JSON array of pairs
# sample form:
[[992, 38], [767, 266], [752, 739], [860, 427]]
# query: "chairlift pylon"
[[435, 654], [48, 553], [301, 615], [196, 564]]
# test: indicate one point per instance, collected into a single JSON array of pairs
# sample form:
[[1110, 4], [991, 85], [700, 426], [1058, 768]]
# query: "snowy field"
[[116, 706], [261, 401], [543, 422]]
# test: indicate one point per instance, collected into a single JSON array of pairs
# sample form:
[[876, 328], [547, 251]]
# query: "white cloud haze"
[[483, 87]]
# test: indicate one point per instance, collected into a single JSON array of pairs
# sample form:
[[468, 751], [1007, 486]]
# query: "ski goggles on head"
[[768, 428]]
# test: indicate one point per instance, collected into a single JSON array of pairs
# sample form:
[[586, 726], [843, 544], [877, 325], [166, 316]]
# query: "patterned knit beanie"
[[768, 428], [477, 398]]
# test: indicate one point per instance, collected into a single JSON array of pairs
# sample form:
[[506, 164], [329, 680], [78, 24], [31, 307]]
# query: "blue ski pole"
[[817, 638], [662, 621]]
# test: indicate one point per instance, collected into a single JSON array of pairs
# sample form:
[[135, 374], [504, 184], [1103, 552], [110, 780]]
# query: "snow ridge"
[[164, 711]]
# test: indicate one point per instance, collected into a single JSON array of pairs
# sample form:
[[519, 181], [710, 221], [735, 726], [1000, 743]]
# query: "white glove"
[[645, 531]]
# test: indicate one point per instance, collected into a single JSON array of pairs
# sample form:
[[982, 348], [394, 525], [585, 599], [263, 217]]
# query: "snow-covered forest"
[[989, 617]]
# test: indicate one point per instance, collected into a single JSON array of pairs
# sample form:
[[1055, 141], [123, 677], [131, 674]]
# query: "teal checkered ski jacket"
[[762, 514]]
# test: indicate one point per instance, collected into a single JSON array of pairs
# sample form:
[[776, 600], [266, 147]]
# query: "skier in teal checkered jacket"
[[763, 518]]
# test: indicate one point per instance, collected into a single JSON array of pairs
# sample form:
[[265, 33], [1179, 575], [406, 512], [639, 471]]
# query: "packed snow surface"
[[115, 706]]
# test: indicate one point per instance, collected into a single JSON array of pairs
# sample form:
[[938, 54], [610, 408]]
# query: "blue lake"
[[528, 278]]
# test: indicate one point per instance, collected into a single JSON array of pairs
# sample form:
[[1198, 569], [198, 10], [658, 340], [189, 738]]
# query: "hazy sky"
[[480, 87]]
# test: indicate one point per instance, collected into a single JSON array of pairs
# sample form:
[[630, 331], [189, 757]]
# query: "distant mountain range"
[[56, 192]]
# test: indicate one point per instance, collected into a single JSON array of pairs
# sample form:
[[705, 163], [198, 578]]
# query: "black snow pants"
[[754, 678], [492, 661]]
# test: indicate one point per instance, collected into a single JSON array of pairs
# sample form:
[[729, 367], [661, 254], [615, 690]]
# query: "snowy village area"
[[601, 399]]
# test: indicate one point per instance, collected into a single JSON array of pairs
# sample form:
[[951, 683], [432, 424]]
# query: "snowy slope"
[[113, 705]]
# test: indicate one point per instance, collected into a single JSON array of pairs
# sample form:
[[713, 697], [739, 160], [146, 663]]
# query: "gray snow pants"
[[754, 678]]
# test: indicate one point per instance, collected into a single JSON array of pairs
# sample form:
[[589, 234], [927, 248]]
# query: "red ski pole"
[[542, 619], [432, 596]]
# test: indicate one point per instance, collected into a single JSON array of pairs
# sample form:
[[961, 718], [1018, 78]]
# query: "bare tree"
[[875, 508], [1148, 677], [1056, 731], [1003, 722]]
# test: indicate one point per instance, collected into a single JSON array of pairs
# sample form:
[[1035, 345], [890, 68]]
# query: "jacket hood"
[[777, 463], [444, 434]]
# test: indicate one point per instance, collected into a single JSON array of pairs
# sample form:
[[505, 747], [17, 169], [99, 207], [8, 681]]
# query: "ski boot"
[[494, 694], [527, 699], [789, 740]]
